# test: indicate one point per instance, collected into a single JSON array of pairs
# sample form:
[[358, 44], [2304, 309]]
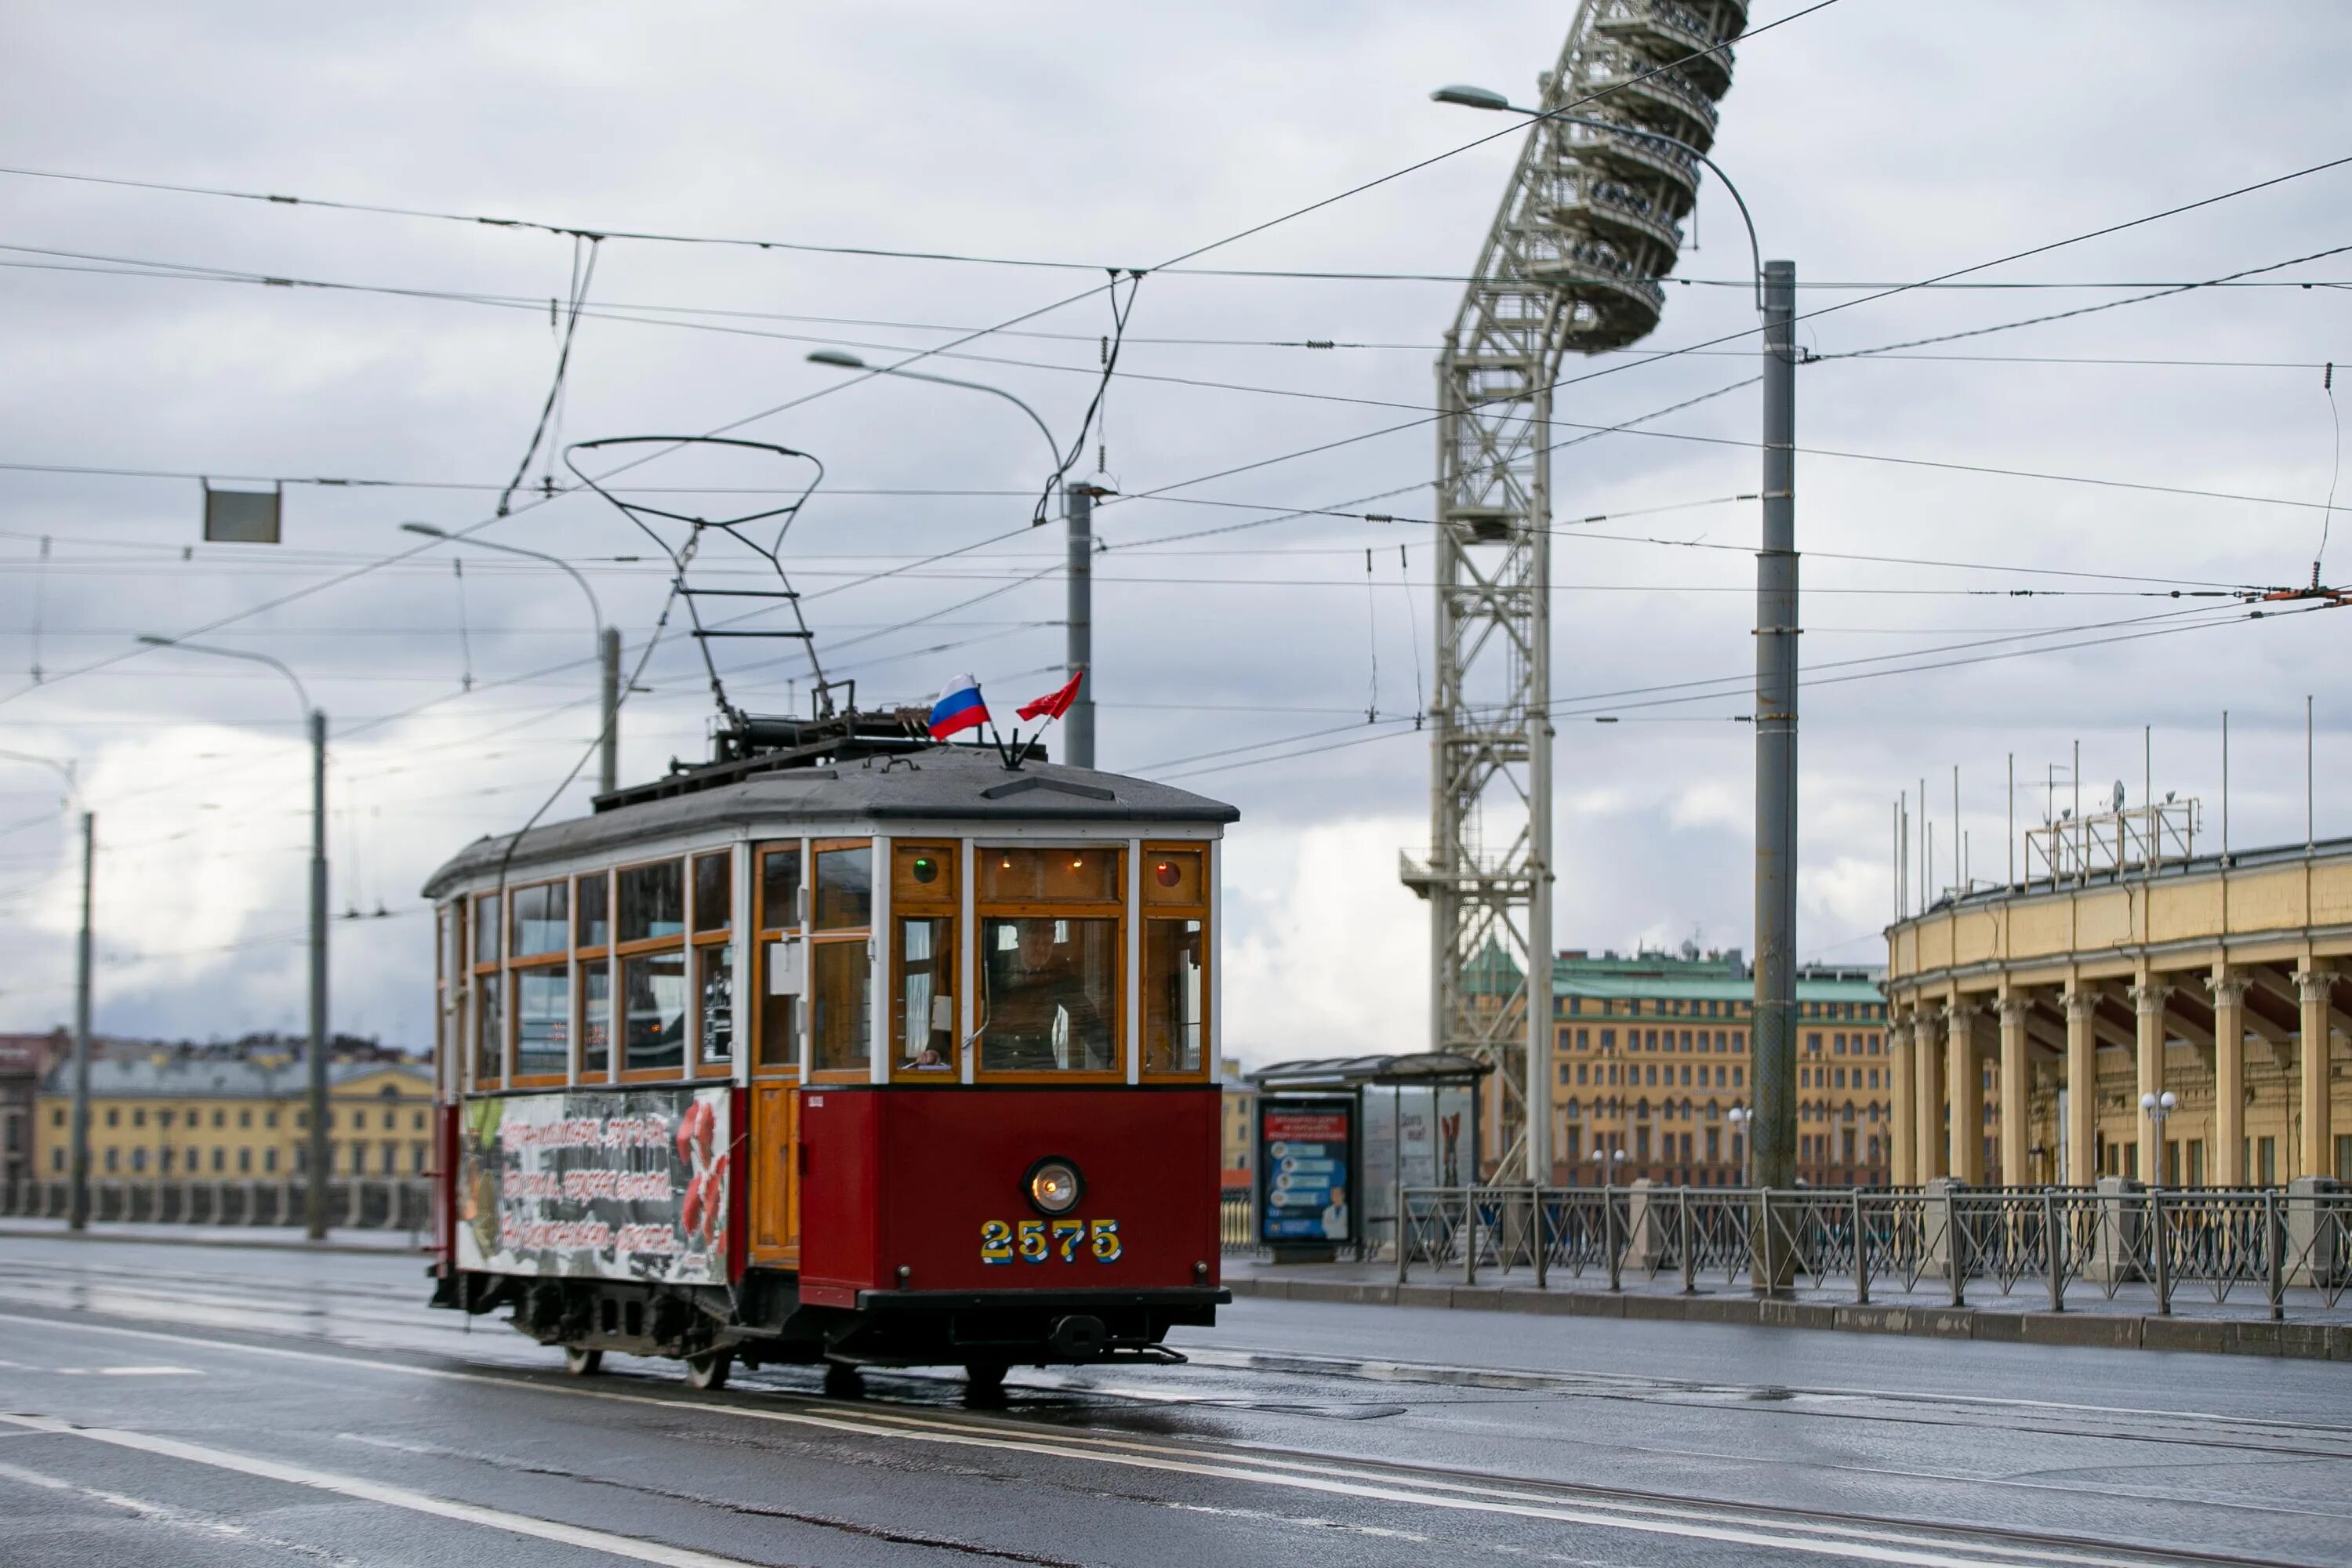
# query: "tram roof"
[[961, 785]]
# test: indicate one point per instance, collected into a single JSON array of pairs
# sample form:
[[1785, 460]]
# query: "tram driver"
[[1042, 1013]]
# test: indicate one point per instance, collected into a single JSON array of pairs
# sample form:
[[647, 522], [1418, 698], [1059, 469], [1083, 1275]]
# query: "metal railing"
[[353, 1203], [1945, 1245]]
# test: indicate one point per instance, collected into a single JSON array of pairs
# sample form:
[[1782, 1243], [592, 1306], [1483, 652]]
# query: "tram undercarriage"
[[761, 1321]]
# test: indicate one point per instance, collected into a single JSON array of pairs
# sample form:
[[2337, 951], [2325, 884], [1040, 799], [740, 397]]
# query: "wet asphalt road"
[[174, 1404]]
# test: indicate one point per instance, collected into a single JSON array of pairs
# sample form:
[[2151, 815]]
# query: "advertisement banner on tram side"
[[596, 1184]]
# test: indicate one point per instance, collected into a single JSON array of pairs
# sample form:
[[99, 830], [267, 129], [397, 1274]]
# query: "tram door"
[[774, 1240]]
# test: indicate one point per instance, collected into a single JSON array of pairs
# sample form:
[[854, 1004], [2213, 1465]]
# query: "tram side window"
[[595, 1018], [714, 970], [779, 918], [653, 901], [489, 1029], [542, 1022], [1175, 959], [923, 903], [593, 917], [591, 925], [542, 920], [845, 887], [841, 969], [490, 1019], [653, 995], [1175, 997], [714, 959]]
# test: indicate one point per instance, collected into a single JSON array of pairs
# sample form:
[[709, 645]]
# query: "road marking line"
[[1726, 1524], [362, 1490]]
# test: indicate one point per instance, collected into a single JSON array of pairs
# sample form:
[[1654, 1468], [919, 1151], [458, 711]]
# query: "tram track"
[[392, 1308], [1354, 1481]]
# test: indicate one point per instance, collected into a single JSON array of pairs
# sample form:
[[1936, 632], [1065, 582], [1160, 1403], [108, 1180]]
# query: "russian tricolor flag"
[[960, 707]]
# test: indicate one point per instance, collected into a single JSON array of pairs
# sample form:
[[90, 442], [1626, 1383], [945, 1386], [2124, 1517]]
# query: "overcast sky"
[[1876, 142]]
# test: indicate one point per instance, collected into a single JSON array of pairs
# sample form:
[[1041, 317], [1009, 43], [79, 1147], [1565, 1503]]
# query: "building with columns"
[[2028, 1023]]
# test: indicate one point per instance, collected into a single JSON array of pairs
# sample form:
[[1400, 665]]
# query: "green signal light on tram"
[[925, 869]]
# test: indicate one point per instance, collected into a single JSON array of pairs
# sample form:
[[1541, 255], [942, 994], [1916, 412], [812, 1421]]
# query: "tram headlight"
[[1053, 1187]]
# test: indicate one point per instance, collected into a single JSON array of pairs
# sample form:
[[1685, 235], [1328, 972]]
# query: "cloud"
[[1106, 136]]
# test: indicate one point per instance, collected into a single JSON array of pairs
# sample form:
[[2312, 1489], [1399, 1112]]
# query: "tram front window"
[[653, 995], [841, 1006], [1050, 994], [924, 1025]]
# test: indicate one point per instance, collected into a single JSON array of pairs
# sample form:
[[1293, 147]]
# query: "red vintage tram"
[[849, 1047]]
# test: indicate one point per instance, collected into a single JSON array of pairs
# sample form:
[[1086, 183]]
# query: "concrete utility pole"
[[78, 1205], [318, 1145], [1078, 724], [608, 761], [1773, 1135]]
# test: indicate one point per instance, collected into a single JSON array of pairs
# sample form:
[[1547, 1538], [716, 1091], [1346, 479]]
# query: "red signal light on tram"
[[1165, 874]]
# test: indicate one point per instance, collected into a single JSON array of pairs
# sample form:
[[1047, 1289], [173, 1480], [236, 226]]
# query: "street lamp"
[[1488, 99], [2156, 1107], [1077, 509], [608, 648], [77, 1179], [317, 722], [1740, 1117]]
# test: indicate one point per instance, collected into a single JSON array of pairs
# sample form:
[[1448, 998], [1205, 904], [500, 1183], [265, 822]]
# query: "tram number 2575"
[[1036, 1240]]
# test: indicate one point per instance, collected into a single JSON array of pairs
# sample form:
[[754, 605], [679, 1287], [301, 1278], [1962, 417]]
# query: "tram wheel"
[[709, 1371], [579, 1360], [984, 1383], [843, 1382]]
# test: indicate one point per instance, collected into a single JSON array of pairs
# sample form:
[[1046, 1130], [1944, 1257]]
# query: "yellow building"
[[1239, 1139], [226, 1118], [2033, 1022], [1652, 1053]]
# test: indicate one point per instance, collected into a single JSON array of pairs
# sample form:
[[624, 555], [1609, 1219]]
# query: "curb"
[[258, 1244], [2103, 1331]]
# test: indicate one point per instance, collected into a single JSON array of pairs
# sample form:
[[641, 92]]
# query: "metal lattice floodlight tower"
[[1590, 221]]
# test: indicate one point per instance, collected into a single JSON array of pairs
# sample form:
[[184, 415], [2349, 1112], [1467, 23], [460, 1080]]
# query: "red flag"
[[1054, 704]]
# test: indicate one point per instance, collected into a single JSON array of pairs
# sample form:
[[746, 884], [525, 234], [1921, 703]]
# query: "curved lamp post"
[[1078, 509], [77, 1178], [317, 1063], [608, 646]]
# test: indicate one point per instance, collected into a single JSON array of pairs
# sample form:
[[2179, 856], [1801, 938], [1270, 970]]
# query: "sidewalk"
[[290, 1239], [2240, 1324]]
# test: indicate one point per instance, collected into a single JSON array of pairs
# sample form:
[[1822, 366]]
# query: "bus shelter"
[[1337, 1137]]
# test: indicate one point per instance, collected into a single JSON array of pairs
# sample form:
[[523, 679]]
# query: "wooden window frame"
[[584, 959], [1203, 911], [696, 941], [622, 952], [514, 927], [816, 938], [1122, 913], [764, 932], [511, 991], [478, 972], [924, 903]]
